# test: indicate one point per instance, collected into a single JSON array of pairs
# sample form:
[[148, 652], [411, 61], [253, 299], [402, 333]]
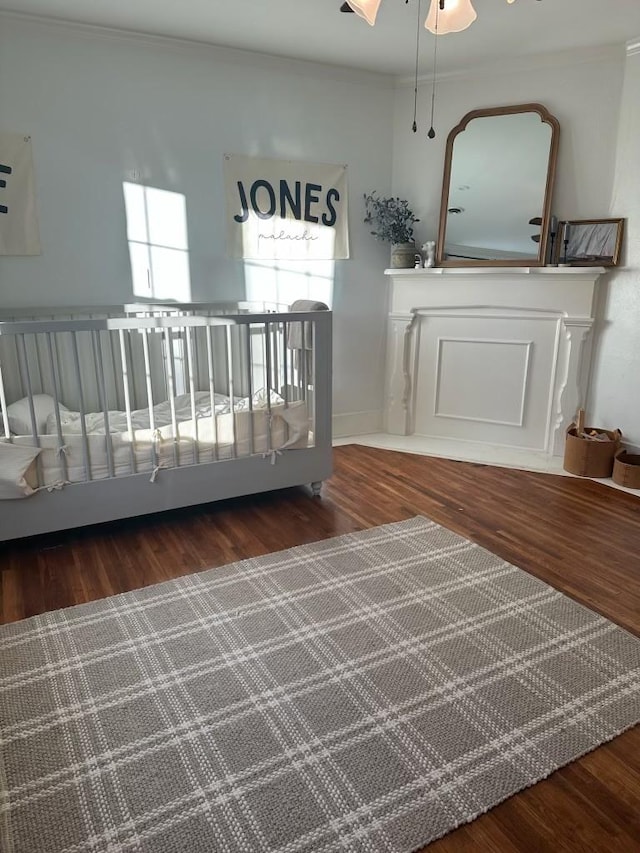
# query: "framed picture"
[[589, 242]]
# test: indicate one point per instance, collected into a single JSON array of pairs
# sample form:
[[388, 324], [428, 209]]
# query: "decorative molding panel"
[[484, 384], [493, 355]]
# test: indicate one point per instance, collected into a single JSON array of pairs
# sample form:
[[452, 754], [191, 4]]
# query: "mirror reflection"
[[496, 192]]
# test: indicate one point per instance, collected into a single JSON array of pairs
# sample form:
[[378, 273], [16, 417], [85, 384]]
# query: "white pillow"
[[18, 477], [297, 417], [20, 414]]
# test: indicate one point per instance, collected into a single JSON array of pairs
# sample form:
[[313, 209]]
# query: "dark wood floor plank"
[[578, 535], [13, 604]]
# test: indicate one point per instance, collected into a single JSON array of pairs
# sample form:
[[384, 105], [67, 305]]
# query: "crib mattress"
[[226, 432]]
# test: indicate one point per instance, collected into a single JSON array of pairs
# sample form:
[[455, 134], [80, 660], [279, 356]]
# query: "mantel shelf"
[[494, 271]]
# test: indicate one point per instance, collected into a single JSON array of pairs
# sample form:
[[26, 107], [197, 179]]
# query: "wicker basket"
[[626, 469], [586, 457]]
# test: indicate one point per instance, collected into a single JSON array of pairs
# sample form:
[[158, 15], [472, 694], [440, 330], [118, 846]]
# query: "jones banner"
[[285, 210], [18, 219]]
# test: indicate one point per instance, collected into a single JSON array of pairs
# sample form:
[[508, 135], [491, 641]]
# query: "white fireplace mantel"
[[499, 356]]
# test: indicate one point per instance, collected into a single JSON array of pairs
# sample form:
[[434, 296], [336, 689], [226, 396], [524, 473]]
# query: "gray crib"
[[107, 413]]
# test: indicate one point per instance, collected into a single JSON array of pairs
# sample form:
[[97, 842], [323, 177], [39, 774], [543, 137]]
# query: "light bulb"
[[456, 16], [367, 9]]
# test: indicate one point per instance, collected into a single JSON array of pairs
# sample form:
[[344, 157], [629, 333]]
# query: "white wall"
[[615, 400], [582, 89], [103, 108]]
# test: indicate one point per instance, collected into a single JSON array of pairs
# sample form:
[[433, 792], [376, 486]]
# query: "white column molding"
[[396, 418], [571, 393]]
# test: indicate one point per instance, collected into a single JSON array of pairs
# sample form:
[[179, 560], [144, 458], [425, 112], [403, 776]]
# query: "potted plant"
[[392, 221]]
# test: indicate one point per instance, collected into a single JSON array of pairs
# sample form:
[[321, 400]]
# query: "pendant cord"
[[414, 127], [432, 132]]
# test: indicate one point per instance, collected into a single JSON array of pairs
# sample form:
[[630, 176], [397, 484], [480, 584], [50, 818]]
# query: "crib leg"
[[316, 488]]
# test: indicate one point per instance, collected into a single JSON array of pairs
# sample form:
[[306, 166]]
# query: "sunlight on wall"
[[158, 243], [279, 284], [288, 269], [285, 281]]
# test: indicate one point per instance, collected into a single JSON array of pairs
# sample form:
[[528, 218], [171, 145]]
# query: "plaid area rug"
[[365, 693]]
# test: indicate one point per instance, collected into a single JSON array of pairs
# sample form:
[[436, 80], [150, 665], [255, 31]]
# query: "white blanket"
[[71, 422]]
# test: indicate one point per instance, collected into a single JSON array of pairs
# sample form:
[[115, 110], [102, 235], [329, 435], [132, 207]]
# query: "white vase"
[[403, 255]]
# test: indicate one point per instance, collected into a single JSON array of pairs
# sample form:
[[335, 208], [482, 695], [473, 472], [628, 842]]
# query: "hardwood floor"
[[578, 535]]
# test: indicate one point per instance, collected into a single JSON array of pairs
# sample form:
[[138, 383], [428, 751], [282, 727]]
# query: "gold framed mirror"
[[497, 185]]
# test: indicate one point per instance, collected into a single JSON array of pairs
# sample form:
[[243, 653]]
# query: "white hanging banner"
[[18, 218], [285, 210]]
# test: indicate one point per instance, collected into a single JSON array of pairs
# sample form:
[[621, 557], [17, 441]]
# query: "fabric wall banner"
[[18, 218], [286, 210]]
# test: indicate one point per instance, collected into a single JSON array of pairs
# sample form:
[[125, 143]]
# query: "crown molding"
[[238, 56], [221, 53], [530, 62]]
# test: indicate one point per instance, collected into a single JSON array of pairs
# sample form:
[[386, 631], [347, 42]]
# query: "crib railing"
[[165, 389], [140, 309]]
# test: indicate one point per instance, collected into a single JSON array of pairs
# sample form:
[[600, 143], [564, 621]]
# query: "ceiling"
[[316, 30]]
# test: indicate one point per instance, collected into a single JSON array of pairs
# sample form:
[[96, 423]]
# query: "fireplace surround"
[[499, 356]]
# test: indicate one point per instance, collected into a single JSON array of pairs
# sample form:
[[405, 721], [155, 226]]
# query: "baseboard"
[[356, 423]]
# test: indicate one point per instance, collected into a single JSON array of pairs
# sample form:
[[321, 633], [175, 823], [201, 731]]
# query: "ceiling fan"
[[345, 7], [445, 16]]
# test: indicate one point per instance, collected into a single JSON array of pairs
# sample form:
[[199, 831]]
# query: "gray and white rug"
[[365, 693]]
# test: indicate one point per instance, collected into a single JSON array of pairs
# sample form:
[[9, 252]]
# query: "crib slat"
[[137, 392], [17, 357], [147, 372], [83, 424], [127, 400], [285, 370], [273, 343], [23, 366], [249, 359], [114, 368], [171, 386], [266, 333], [232, 402], [182, 337], [56, 365], [303, 362], [53, 361], [212, 392], [196, 354], [105, 410], [96, 370], [192, 394], [37, 345], [26, 382], [3, 406]]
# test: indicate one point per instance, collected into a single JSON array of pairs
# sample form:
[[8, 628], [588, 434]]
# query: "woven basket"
[[586, 457], [626, 469]]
